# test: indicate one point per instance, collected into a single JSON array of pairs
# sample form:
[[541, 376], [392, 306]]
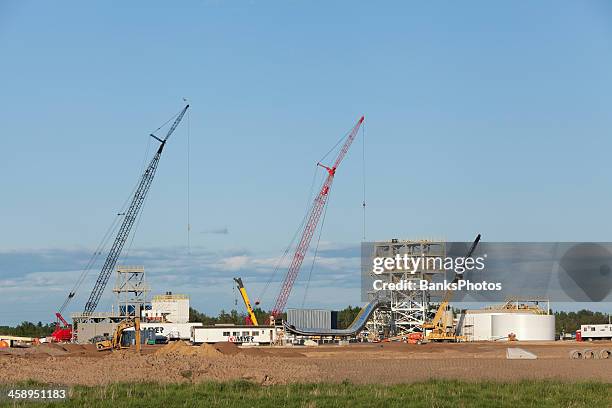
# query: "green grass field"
[[426, 394]]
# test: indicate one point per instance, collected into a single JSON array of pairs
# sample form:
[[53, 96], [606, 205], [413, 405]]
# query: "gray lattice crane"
[[128, 220]]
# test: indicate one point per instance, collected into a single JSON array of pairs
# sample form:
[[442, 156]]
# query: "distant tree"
[[28, 329], [569, 322], [231, 317], [347, 315]]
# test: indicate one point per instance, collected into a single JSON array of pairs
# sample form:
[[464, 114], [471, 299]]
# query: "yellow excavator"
[[247, 302], [115, 342], [441, 327]]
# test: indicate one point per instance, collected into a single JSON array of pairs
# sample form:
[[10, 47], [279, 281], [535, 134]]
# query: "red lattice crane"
[[314, 214]]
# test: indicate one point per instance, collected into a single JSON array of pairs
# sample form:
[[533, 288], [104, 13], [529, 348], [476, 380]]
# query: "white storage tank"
[[525, 326], [529, 319]]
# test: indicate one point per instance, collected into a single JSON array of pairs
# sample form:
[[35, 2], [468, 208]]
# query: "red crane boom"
[[311, 225]]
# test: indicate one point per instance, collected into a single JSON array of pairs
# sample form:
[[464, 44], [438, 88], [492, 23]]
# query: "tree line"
[[569, 322], [28, 329]]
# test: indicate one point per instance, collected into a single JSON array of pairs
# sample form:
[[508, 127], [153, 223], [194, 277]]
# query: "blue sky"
[[480, 117]]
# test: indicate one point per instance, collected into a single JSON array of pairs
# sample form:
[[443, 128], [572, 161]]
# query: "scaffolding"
[[407, 310], [131, 289]]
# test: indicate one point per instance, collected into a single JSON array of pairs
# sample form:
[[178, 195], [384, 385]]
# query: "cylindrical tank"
[[526, 326]]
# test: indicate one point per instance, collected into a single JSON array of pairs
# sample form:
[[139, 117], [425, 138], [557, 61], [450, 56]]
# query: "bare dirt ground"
[[360, 363]]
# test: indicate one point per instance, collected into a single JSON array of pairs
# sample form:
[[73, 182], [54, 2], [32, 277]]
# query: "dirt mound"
[[183, 349], [220, 349], [226, 348], [176, 347], [51, 349], [73, 347], [81, 349], [208, 350]]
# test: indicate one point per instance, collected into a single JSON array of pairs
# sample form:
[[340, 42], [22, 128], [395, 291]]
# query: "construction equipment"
[[410, 338], [251, 319], [441, 327], [115, 341], [63, 330], [312, 220], [129, 218]]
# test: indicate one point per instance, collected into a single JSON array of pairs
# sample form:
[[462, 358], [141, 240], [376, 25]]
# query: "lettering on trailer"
[[241, 339], [158, 330]]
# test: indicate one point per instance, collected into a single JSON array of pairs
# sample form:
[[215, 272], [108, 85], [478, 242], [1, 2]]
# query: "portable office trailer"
[[233, 334], [171, 331], [596, 331]]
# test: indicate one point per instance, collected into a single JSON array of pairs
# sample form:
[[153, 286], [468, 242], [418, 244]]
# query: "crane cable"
[[314, 258], [92, 260], [125, 257], [188, 183], [110, 231], [297, 231], [363, 165], [363, 162], [98, 251], [336, 145], [309, 205]]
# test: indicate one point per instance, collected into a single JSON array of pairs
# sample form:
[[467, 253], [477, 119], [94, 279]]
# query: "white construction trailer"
[[251, 335], [596, 331]]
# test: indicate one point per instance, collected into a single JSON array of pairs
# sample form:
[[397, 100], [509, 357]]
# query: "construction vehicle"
[[63, 330], [312, 221], [441, 327], [251, 318], [115, 341], [129, 218]]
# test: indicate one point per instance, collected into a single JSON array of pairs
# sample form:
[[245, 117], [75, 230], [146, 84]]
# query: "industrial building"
[[167, 308], [404, 311], [313, 318], [165, 317]]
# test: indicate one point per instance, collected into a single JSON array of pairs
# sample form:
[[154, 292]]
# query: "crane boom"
[[448, 295], [314, 215], [247, 302], [128, 220]]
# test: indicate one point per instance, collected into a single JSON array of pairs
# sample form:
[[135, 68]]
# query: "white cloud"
[[43, 278]]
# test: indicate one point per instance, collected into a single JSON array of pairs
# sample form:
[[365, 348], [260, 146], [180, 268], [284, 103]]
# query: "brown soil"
[[360, 363]]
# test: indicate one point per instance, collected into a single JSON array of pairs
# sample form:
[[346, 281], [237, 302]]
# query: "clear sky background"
[[480, 117]]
